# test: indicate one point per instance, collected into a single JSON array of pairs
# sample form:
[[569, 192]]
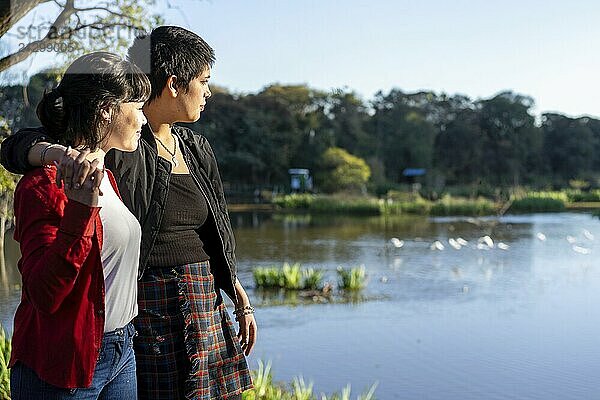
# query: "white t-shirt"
[[120, 256]]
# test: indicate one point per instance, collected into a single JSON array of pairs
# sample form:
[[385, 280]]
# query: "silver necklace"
[[173, 153]]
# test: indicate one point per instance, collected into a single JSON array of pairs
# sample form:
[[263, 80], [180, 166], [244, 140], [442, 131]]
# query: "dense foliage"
[[477, 144]]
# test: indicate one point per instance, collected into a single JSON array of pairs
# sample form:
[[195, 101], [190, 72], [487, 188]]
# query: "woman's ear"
[[106, 115]]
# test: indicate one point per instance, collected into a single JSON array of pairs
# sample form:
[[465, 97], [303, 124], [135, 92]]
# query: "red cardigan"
[[59, 323]]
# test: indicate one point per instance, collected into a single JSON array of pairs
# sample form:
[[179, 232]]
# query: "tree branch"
[[61, 20], [17, 57], [108, 10]]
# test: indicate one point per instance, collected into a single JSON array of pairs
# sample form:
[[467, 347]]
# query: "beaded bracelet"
[[243, 311], [238, 316]]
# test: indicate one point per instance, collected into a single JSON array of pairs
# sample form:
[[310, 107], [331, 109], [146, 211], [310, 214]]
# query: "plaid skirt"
[[186, 346]]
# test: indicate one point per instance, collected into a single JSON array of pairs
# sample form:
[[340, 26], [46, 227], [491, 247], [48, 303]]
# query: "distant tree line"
[[459, 141]]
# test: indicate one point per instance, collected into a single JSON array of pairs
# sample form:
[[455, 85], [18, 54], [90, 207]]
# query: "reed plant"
[[337, 204], [294, 201], [5, 349], [289, 276], [312, 278], [292, 276], [579, 196], [418, 206], [539, 202], [462, 206], [267, 277], [352, 279], [266, 389]]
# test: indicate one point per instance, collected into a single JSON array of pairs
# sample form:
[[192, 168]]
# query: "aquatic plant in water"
[[352, 279], [312, 278], [291, 277]]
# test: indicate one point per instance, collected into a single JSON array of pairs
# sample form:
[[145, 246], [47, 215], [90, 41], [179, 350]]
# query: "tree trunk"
[[11, 12]]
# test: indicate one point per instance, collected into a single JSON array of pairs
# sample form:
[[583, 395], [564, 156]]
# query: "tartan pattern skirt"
[[186, 346]]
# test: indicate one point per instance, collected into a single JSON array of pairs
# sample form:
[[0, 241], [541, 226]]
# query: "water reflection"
[[405, 273], [283, 297]]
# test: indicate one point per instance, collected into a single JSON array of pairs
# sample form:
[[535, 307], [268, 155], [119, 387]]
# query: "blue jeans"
[[114, 376]]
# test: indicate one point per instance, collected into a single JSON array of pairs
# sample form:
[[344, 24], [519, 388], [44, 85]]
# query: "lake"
[[517, 321]]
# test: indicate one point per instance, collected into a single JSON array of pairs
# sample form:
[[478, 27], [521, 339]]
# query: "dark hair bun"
[[51, 112]]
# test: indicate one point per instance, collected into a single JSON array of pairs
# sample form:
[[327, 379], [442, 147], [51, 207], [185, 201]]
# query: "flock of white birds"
[[487, 243]]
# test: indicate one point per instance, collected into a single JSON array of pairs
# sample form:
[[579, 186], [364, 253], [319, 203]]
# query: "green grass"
[[266, 389], [329, 204], [5, 349], [410, 203], [578, 196], [294, 201], [312, 278], [462, 206], [539, 202], [291, 277], [353, 278]]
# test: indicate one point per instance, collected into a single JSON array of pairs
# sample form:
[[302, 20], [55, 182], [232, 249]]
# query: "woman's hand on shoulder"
[[74, 169], [88, 191]]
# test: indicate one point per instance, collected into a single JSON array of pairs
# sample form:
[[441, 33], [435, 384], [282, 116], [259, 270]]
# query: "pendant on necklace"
[[174, 161]]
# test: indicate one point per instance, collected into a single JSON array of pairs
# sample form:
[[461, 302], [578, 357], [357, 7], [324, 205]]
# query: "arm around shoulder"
[[14, 152]]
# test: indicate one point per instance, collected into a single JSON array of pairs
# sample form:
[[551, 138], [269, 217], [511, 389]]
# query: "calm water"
[[520, 323]]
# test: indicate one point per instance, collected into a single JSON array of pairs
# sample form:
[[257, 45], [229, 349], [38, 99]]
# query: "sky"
[[549, 50]]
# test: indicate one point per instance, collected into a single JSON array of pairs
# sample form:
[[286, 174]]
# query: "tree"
[[512, 141], [403, 132], [311, 135], [18, 103], [79, 27], [341, 171], [459, 148], [347, 121], [569, 146]]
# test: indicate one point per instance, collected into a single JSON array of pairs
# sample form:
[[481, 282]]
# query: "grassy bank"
[[404, 203], [266, 389]]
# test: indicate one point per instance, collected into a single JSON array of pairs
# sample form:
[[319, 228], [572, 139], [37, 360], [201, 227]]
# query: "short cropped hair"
[[171, 50]]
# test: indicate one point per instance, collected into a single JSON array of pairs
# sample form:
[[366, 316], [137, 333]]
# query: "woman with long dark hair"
[[73, 336]]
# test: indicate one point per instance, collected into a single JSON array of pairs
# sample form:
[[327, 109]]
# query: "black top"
[[178, 242]]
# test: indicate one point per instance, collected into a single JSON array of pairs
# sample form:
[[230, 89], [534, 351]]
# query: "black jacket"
[[143, 180]]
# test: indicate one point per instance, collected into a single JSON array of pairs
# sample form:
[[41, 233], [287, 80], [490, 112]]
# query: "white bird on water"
[[503, 246], [454, 243], [462, 241], [437, 245], [588, 235], [581, 250], [397, 242], [487, 241], [571, 239], [541, 236], [482, 246]]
